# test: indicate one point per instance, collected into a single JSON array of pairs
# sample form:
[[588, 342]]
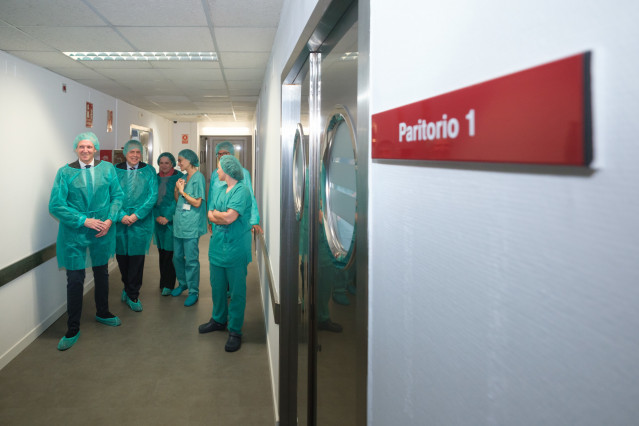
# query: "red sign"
[[538, 116], [185, 139], [89, 115], [106, 156]]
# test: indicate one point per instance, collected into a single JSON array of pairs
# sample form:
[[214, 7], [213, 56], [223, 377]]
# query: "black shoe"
[[329, 325], [234, 342], [211, 326]]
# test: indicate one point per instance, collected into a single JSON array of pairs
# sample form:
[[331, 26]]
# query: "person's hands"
[[257, 229], [106, 226], [95, 224], [161, 220], [180, 185]]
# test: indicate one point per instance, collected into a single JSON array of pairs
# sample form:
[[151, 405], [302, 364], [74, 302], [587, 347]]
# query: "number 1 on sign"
[[471, 122]]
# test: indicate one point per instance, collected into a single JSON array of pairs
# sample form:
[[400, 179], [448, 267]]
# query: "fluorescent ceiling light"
[[142, 56], [349, 56]]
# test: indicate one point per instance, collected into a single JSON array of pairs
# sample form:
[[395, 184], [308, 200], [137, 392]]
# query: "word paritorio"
[[446, 128]]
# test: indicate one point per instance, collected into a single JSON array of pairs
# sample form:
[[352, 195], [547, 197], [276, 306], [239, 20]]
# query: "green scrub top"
[[230, 245], [78, 194], [190, 222], [165, 207], [216, 185], [140, 195]]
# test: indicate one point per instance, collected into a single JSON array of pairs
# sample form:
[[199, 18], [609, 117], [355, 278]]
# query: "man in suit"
[[86, 198], [135, 220]]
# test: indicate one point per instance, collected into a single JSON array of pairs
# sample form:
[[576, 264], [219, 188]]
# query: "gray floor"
[[155, 369]]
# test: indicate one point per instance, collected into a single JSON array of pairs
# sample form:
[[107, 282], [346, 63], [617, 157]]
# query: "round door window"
[[299, 171], [339, 185]]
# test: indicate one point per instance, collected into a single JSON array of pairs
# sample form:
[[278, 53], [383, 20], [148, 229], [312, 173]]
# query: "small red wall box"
[[541, 115]]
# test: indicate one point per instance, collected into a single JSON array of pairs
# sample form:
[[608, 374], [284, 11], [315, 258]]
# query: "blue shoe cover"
[[178, 290], [166, 291], [124, 296], [190, 300], [66, 342], [113, 322], [135, 306]]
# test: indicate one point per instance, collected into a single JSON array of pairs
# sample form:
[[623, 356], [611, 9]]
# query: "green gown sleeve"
[[58, 206], [255, 214]]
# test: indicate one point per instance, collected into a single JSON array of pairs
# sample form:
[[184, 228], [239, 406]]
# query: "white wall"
[[295, 15], [497, 296], [38, 123]]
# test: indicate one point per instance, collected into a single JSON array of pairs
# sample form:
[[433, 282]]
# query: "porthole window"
[[339, 182]]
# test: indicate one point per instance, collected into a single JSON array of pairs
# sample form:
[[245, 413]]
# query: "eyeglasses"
[[222, 154]]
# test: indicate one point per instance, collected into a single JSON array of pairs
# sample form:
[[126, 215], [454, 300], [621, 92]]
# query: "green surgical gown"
[[217, 185], [230, 245], [79, 194], [140, 194], [165, 207], [191, 222]]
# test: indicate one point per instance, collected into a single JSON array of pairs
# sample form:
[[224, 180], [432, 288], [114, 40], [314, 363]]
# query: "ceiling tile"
[[78, 73], [168, 39], [245, 99], [193, 74], [13, 39], [79, 39], [244, 39], [48, 13], [243, 60], [133, 74], [199, 85], [244, 74], [246, 13], [161, 99], [151, 13], [44, 59], [245, 84]]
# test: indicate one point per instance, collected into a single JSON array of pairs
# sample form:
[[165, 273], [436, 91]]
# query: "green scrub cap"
[[132, 144], [232, 167], [169, 156], [225, 146], [191, 156], [89, 136]]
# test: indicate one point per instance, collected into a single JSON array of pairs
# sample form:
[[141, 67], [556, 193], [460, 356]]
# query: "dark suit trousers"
[[167, 270], [132, 268], [75, 292]]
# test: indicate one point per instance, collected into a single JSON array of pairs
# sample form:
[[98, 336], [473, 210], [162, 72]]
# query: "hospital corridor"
[[319, 213]]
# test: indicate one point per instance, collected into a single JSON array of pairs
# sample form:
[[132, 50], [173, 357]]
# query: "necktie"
[[89, 182]]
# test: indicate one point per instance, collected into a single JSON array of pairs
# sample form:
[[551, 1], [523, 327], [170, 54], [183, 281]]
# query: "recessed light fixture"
[[349, 56], [142, 56]]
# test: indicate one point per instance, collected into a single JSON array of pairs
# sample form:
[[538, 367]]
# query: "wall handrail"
[[22, 266], [275, 299]]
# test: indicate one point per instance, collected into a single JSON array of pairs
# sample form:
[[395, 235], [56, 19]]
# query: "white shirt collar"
[[84, 165], [129, 167]]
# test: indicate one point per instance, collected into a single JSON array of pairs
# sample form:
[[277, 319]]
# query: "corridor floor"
[[154, 369]]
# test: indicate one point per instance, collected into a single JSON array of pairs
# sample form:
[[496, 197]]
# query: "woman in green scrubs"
[[189, 224], [229, 252]]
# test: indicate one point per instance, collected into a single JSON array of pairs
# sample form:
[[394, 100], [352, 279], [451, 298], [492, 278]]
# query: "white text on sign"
[[446, 128]]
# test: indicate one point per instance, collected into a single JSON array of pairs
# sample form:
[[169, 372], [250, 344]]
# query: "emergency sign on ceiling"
[[541, 115]]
